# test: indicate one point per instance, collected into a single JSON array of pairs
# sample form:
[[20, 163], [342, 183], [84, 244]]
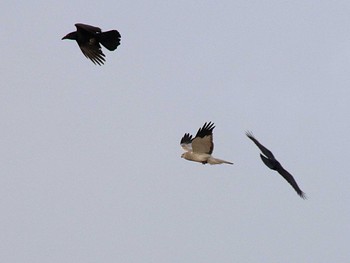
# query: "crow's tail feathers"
[[110, 39]]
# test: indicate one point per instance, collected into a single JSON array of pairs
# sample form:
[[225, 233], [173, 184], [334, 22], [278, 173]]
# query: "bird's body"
[[89, 39], [270, 161], [200, 148], [196, 157]]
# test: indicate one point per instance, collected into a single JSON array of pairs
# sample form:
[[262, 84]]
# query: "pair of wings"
[[90, 48], [269, 159], [202, 142]]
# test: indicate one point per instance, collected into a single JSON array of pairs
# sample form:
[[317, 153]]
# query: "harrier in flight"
[[89, 39], [200, 148], [271, 162]]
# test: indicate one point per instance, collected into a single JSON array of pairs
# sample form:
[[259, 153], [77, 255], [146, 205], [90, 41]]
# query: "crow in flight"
[[89, 39], [273, 164]]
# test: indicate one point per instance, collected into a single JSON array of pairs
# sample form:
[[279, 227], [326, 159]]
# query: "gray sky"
[[91, 167]]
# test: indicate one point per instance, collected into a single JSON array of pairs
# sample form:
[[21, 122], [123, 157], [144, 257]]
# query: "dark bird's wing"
[[93, 52], [290, 179], [203, 142], [186, 142], [89, 44], [264, 150], [88, 28]]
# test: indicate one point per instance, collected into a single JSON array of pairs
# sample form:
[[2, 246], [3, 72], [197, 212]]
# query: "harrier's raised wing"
[[186, 142], [203, 142]]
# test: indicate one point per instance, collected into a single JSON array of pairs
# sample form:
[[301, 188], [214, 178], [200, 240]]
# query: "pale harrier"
[[200, 148]]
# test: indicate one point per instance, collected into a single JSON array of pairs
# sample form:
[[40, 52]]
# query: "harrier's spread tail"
[[213, 160]]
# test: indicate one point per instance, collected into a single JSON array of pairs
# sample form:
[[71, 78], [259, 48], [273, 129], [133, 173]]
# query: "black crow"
[[89, 39], [273, 164]]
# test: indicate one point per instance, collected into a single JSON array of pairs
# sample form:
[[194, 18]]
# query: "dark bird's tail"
[[109, 39]]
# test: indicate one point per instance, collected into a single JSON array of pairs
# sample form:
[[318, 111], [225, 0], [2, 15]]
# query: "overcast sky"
[[91, 167]]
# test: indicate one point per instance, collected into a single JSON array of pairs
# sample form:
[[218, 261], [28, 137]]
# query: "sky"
[[91, 167]]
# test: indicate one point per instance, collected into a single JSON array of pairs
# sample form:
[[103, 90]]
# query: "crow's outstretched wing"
[[262, 148], [290, 179], [92, 50], [88, 28]]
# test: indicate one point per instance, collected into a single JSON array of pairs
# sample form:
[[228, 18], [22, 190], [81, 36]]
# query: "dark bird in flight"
[[89, 39], [273, 164]]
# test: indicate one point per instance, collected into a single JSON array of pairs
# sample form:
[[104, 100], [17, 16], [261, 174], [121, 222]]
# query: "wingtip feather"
[[302, 195]]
